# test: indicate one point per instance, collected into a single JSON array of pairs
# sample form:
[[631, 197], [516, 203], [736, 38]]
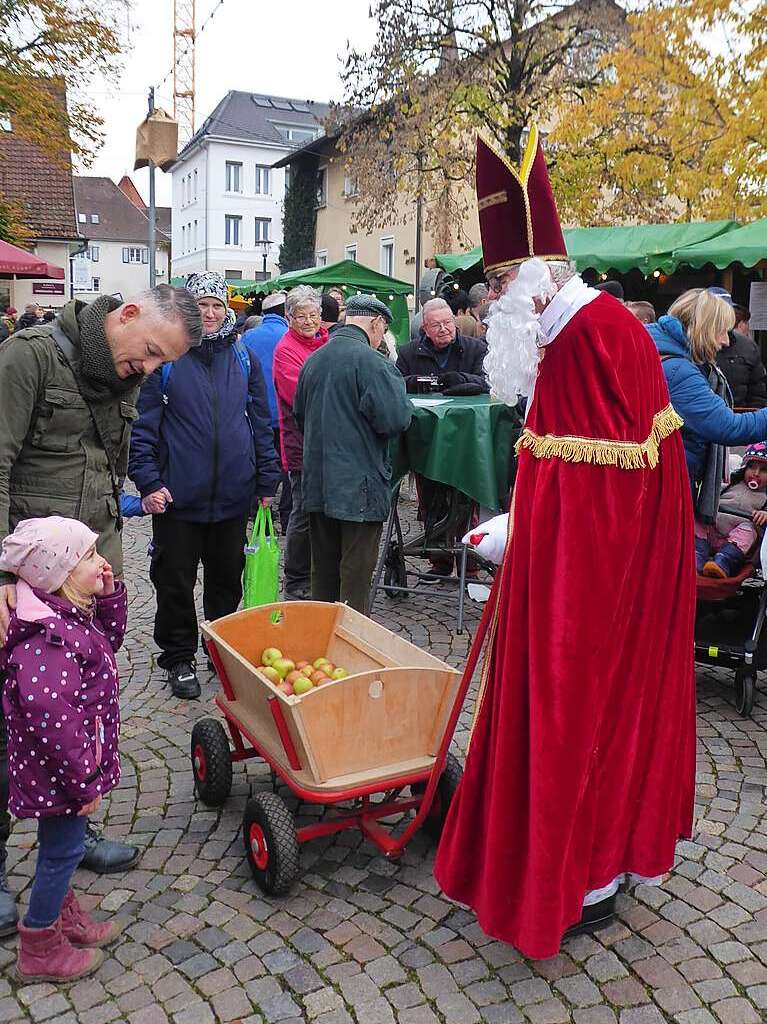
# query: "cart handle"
[[471, 663]]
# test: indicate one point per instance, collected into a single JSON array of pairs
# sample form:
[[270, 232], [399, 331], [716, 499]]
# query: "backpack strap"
[[243, 360]]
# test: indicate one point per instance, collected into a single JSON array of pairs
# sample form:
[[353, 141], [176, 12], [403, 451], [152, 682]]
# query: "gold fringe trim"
[[602, 452]]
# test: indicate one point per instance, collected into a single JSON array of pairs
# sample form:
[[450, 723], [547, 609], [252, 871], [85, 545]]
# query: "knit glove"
[[466, 388], [450, 379]]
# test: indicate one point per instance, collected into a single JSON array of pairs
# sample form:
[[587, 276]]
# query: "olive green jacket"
[[52, 461]]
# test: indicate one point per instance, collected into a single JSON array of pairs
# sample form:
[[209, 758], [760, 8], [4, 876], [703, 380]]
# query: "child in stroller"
[[722, 547]]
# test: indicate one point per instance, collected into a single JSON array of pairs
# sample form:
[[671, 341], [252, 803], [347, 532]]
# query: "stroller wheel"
[[745, 684]]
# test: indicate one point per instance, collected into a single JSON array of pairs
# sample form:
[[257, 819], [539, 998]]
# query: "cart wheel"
[[270, 843], [443, 797], [395, 573], [745, 683], [211, 762]]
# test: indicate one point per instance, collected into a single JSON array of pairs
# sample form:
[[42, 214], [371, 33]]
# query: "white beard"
[[514, 331]]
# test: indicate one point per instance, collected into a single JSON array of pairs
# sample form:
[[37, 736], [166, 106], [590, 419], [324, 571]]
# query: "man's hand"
[[155, 503], [108, 577], [91, 808], [266, 502], [759, 517], [7, 604]]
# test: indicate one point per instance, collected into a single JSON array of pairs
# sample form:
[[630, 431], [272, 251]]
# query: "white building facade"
[[115, 256], [227, 197]]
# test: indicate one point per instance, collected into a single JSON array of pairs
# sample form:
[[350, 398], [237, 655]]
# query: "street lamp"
[[264, 243]]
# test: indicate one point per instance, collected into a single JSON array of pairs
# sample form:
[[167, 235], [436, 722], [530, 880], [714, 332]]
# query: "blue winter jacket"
[[201, 443], [261, 342], [707, 418]]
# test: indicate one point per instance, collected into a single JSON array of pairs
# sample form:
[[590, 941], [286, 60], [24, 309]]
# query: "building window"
[[232, 227], [96, 284], [322, 187], [183, 237], [351, 186], [321, 258], [93, 253], [263, 181], [350, 252], [233, 275], [195, 183], [387, 257], [82, 219], [233, 176], [94, 218], [263, 229], [135, 254], [299, 135], [287, 177], [194, 238]]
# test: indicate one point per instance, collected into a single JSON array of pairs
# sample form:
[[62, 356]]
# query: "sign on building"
[[47, 287], [81, 274]]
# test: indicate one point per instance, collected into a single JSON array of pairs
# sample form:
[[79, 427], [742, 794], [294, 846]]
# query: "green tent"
[[746, 245], [645, 247], [352, 278]]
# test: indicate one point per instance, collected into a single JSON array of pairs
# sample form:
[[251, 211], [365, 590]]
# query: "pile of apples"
[[297, 677]]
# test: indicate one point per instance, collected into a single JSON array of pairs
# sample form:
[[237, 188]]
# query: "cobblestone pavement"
[[362, 939]]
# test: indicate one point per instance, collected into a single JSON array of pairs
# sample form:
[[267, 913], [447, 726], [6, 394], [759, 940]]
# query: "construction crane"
[[183, 68]]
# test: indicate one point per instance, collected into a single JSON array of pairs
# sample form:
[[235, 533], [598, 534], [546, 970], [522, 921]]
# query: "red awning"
[[17, 262]]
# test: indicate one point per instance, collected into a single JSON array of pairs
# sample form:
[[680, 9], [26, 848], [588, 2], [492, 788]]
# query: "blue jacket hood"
[[669, 337]]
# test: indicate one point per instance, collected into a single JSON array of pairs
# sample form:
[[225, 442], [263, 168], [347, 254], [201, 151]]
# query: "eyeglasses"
[[305, 318], [443, 325]]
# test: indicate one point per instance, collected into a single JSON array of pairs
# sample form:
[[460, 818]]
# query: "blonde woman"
[[688, 340]]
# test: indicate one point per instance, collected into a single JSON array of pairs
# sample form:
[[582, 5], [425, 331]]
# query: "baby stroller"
[[729, 622]]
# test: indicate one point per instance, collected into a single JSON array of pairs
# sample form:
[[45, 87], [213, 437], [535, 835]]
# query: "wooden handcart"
[[384, 730]]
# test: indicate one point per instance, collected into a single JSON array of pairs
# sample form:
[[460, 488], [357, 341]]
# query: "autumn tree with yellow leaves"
[[44, 45], [439, 72], [677, 129]]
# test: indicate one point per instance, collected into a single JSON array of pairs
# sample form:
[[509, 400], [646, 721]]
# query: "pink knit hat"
[[43, 552]]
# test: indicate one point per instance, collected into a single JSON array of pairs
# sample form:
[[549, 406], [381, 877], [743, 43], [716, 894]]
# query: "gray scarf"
[[714, 475], [99, 379]]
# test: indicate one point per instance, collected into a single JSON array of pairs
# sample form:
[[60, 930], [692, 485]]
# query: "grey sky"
[[291, 49]]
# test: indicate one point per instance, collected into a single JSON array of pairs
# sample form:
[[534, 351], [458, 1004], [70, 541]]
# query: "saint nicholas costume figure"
[[580, 772]]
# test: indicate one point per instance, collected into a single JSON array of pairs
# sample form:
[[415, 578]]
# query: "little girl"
[[721, 548], [60, 700]]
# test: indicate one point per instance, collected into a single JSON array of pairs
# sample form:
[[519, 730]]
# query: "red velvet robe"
[[582, 762]]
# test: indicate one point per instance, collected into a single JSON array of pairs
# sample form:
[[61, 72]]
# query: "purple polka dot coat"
[[61, 701]]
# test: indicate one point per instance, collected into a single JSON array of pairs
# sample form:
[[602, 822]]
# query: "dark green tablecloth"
[[466, 443]]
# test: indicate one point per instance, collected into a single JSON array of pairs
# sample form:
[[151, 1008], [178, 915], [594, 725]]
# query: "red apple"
[[286, 688], [318, 677], [301, 665], [293, 677]]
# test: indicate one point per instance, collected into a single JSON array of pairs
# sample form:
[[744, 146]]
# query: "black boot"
[[105, 856], [183, 681], [594, 917]]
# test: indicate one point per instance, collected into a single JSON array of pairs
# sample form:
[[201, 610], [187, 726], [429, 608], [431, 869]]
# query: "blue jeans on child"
[[60, 848]]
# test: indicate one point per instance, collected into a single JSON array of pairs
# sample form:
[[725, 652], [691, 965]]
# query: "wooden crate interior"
[[386, 718]]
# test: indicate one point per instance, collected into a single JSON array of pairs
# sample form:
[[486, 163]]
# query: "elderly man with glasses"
[[442, 359], [304, 336]]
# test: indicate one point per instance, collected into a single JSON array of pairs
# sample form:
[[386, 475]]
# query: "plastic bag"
[[260, 580]]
